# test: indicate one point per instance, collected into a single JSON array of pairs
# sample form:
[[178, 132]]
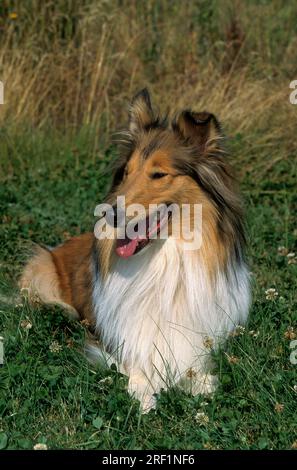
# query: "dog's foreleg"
[[142, 388]]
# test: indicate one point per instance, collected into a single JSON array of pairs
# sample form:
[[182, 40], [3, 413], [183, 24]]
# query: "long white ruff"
[[157, 309]]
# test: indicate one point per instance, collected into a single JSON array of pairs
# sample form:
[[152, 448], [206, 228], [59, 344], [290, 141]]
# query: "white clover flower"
[[55, 347], [40, 446], [254, 333], [279, 407], [107, 380], [26, 324], [233, 359], [201, 418], [292, 261], [290, 333], [282, 251], [271, 294], [208, 342], [292, 258], [239, 330]]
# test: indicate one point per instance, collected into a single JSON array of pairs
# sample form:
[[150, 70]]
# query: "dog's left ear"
[[201, 130], [141, 112]]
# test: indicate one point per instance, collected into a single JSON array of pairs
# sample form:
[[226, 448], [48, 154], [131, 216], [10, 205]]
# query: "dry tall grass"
[[71, 63]]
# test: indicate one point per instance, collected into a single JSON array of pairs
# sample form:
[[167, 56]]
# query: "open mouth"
[[152, 227]]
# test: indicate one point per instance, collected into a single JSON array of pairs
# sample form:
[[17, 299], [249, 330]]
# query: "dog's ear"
[[201, 130], [141, 112]]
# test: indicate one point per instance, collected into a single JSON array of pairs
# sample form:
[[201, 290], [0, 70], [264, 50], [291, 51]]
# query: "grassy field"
[[63, 96]]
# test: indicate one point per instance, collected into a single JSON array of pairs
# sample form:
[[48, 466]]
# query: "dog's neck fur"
[[154, 309]]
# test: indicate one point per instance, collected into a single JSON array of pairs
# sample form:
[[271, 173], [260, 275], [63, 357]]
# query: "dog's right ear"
[[141, 112], [199, 129]]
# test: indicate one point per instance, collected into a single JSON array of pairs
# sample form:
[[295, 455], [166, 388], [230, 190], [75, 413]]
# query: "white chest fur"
[[155, 309]]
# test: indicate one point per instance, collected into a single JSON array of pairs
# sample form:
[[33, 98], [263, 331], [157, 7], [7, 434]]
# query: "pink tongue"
[[126, 249]]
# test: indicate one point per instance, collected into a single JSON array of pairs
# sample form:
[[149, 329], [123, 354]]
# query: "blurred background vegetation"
[[72, 66]]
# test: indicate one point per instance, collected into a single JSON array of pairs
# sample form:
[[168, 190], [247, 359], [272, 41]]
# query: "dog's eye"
[[158, 175]]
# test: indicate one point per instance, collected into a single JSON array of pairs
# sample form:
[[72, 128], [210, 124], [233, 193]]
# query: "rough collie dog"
[[158, 308]]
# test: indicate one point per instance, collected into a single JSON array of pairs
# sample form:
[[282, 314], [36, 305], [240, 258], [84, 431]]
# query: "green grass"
[[50, 186]]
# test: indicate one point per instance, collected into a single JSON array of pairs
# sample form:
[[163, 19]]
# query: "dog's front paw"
[[140, 388]]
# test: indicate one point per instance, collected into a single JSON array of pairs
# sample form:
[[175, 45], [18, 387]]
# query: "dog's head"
[[175, 163]]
